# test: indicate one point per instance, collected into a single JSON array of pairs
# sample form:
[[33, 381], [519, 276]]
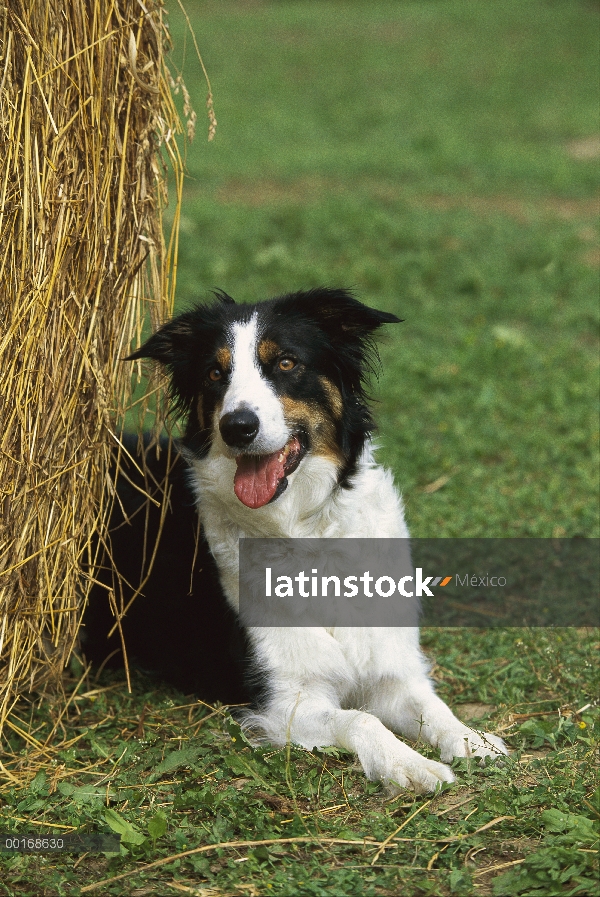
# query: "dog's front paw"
[[416, 773], [471, 743]]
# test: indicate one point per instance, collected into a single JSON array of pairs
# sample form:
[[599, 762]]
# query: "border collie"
[[276, 444]]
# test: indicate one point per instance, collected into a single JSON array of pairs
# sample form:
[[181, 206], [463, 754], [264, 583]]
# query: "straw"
[[87, 131]]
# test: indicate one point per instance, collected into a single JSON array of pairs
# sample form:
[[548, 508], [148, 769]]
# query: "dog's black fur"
[[181, 627], [276, 423], [329, 330]]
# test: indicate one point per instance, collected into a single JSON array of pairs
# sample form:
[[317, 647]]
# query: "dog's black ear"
[[168, 343], [339, 313], [171, 343], [349, 327]]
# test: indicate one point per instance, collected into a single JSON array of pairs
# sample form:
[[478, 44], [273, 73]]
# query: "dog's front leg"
[[414, 710], [401, 694], [307, 675]]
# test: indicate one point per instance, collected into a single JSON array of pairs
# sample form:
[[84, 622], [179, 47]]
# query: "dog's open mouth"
[[260, 479]]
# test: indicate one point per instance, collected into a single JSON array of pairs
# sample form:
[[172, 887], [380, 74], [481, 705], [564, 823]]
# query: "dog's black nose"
[[238, 428]]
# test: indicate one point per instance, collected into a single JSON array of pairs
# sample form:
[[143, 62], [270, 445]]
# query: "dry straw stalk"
[[86, 123]]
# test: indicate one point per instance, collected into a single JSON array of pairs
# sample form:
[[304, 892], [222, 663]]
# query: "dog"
[[277, 444]]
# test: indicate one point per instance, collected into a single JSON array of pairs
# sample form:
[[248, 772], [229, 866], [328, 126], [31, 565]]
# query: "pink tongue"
[[257, 478]]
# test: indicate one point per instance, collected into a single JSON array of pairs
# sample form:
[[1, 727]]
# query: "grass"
[[439, 158], [172, 775]]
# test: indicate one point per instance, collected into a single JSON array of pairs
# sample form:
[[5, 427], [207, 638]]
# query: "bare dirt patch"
[[264, 192], [468, 712], [520, 209], [585, 149], [592, 257]]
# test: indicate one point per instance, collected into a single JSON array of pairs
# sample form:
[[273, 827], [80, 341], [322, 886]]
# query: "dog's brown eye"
[[286, 364], [215, 374]]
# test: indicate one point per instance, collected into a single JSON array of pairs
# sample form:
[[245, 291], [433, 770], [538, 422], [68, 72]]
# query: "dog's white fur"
[[348, 687], [249, 389]]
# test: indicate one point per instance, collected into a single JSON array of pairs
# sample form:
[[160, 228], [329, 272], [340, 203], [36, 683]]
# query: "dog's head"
[[266, 384]]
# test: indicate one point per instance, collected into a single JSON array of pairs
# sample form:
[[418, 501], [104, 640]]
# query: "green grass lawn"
[[441, 158]]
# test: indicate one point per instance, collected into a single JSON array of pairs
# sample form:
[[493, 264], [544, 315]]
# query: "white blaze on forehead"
[[249, 389]]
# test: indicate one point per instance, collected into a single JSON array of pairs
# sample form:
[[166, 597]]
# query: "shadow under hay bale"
[[86, 129]]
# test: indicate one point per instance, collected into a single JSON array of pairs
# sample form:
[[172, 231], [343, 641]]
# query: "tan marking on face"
[[223, 356], [268, 351], [318, 424], [334, 396]]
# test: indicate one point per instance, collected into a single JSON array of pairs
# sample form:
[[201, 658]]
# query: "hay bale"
[[86, 120]]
